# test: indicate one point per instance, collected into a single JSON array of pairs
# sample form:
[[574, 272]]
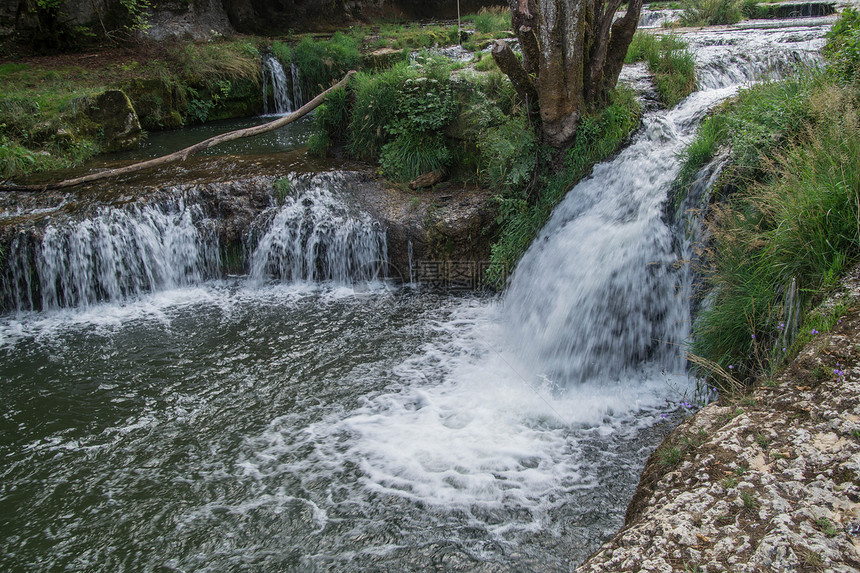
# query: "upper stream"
[[313, 416]]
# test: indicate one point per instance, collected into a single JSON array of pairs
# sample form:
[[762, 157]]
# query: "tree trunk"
[[572, 55]]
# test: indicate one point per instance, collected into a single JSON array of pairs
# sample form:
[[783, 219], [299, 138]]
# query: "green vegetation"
[[750, 501], [671, 62], [41, 126], [494, 20], [670, 456], [711, 12], [827, 527], [788, 225], [323, 63], [843, 45]]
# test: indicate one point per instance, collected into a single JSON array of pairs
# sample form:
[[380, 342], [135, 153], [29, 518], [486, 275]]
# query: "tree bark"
[[184, 154], [572, 56]]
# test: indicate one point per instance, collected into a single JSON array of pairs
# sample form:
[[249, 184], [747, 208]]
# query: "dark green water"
[[220, 428]]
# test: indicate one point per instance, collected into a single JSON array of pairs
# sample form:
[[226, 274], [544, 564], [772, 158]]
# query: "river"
[[165, 418]]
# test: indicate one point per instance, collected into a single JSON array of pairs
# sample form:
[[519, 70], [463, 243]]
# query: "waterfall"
[[317, 236], [122, 253], [274, 72], [298, 100], [599, 294], [115, 254]]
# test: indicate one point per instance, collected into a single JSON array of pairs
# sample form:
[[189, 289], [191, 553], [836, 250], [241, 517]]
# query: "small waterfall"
[[316, 236], [116, 254], [298, 100], [273, 72], [600, 295], [764, 56]]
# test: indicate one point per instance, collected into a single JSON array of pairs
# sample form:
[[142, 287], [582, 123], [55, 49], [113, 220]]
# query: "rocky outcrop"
[[440, 237], [768, 482]]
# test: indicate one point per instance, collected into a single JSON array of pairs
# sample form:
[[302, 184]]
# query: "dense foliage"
[[788, 225]]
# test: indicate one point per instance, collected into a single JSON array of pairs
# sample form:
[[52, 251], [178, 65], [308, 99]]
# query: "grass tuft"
[[670, 60]]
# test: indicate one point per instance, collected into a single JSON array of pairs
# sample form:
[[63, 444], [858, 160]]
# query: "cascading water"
[[114, 255], [315, 236], [295, 427], [298, 99], [273, 72]]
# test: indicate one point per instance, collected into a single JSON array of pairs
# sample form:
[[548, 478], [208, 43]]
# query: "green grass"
[[324, 62], [494, 20], [670, 60], [711, 12], [793, 219]]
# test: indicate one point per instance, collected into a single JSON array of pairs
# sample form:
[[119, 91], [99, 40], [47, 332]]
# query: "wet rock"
[[450, 231], [159, 104]]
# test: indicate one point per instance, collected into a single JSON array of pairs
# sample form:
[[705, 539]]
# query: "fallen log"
[[428, 179], [187, 152]]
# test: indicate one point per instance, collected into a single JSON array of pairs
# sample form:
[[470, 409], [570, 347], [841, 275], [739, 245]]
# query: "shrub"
[[321, 63], [779, 242], [843, 44], [376, 100], [670, 60], [711, 12], [425, 107]]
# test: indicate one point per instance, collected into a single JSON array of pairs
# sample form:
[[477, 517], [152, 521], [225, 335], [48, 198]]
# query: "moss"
[[160, 103]]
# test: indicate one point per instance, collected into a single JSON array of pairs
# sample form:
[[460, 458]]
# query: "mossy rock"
[[160, 104], [112, 120]]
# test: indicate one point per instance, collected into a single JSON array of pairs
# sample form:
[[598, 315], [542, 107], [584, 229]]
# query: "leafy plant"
[[198, 110], [843, 44]]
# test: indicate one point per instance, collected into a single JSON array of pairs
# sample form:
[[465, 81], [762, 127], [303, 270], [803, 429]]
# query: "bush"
[[670, 60], [393, 104], [711, 12], [322, 63], [425, 107], [376, 100], [843, 45]]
